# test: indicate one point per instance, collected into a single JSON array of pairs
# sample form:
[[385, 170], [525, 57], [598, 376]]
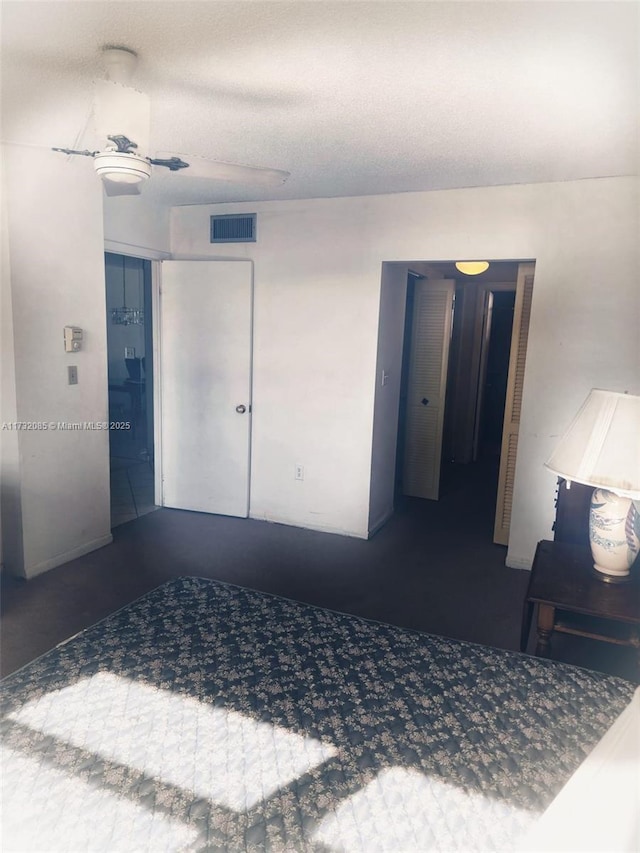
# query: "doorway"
[[130, 372], [495, 346], [483, 348]]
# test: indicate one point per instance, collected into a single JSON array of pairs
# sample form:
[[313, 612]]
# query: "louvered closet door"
[[513, 403], [430, 337]]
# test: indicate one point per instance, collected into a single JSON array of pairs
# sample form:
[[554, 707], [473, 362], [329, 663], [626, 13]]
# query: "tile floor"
[[131, 490]]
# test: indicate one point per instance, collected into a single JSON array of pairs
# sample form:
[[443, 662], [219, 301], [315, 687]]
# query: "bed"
[[209, 717]]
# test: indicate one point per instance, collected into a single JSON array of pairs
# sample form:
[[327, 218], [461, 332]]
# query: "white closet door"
[[430, 339], [205, 385]]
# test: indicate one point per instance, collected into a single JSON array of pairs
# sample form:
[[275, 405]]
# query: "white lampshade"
[[601, 448]]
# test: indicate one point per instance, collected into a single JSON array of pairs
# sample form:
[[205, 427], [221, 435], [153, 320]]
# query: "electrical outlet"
[[72, 375], [129, 352], [299, 472]]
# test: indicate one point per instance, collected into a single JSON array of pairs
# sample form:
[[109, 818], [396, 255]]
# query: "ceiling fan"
[[122, 117]]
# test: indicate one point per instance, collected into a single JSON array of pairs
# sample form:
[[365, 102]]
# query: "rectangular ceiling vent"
[[234, 228]]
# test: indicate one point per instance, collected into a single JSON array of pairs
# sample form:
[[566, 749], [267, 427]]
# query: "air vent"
[[234, 228]]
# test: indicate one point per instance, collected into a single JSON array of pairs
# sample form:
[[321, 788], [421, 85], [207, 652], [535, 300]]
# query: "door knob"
[[241, 409]]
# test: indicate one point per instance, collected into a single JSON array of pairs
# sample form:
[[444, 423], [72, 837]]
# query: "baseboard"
[[373, 529], [59, 559], [519, 563], [317, 527]]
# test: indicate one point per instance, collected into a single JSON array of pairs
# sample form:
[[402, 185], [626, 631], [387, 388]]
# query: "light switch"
[[72, 375]]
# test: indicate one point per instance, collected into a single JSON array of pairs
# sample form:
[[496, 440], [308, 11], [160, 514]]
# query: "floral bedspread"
[[209, 717]]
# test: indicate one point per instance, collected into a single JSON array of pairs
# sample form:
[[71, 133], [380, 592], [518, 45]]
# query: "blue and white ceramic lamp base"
[[614, 528]]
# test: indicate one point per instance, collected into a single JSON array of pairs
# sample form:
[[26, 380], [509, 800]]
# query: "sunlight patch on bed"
[[46, 809], [402, 809], [217, 753]]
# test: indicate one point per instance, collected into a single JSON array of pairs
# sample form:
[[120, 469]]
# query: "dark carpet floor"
[[432, 567]]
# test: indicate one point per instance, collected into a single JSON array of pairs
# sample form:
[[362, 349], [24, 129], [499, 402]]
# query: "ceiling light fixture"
[[126, 316], [472, 267], [122, 167]]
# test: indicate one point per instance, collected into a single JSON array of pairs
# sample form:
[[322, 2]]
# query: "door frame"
[[513, 401], [156, 344], [154, 256]]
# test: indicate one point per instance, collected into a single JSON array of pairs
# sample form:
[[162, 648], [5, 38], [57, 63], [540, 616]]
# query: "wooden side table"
[[571, 599]]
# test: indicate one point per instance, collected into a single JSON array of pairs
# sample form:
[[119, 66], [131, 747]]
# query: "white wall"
[[318, 277], [10, 504], [55, 484], [393, 294], [60, 479], [318, 298], [135, 225], [315, 341]]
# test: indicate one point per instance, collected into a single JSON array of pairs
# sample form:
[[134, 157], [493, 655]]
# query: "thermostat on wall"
[[72, 339]]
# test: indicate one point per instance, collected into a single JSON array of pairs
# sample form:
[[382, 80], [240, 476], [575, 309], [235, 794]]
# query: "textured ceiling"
[[352, 98]]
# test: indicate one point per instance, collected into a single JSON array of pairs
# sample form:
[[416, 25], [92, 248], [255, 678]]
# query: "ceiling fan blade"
[[199, 167], [113, 188], [122, 111], [85, 153]]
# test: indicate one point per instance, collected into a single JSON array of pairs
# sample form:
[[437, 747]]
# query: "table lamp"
[[601, 448]]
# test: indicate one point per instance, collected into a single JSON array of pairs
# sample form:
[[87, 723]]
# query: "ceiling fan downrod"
[[119, 63]]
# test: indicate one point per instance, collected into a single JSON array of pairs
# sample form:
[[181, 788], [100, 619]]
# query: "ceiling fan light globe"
[[122, 167], [122, 177]]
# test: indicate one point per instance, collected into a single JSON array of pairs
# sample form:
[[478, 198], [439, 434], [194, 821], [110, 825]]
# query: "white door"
[[205, 385], [429, 357]]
